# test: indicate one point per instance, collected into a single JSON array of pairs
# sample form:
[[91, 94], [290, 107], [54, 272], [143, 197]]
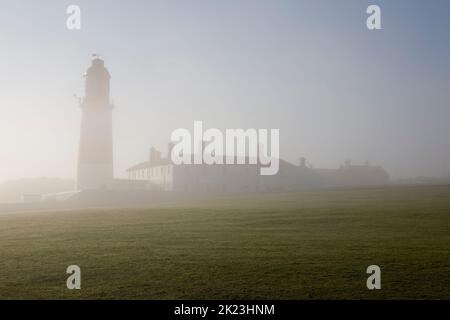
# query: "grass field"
[[311, 245]]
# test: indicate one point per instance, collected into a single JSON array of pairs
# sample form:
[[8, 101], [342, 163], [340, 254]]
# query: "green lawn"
[[310, 245]]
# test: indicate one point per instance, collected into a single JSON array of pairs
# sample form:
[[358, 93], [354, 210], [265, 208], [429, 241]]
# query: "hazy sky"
[[312, 69]]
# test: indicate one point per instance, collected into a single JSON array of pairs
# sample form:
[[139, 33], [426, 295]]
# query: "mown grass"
[[309, 245]]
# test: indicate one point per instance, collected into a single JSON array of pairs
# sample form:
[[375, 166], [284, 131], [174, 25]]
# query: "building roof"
[[148, 164], [165, 161], [354, 172]]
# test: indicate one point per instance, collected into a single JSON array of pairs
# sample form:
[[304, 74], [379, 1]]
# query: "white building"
[[161, 174], [95, 156]]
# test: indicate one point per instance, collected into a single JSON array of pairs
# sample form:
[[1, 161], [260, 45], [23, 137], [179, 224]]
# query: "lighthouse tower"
[[95, 158]]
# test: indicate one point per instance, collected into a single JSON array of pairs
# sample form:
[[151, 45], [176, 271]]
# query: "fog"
[[335, 90]]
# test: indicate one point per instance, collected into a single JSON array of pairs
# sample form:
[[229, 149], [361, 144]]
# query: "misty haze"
[[233, 149], [335, 92]]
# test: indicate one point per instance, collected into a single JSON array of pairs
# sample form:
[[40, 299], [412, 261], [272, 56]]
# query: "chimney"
[[154, 156], [302, 162], [200, 148], [348, 163], [170, 146]]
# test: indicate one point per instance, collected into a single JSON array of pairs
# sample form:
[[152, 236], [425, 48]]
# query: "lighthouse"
[[95, 157]]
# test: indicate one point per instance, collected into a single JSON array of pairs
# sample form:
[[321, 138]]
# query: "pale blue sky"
[[311, 68]]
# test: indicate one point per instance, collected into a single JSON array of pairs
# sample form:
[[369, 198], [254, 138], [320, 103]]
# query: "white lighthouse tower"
[[95, 158]]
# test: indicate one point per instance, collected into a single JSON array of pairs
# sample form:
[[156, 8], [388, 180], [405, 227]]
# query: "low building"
[[349, 176], [162, 175]]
